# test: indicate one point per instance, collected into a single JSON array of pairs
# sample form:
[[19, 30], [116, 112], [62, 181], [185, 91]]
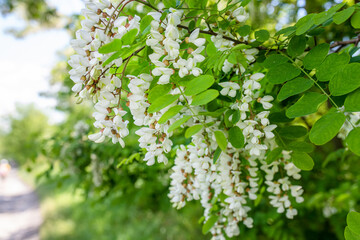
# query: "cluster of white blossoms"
[[225, 183], [353, 121]]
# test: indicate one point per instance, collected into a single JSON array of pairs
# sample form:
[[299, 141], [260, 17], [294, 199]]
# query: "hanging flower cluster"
[[224, 176]]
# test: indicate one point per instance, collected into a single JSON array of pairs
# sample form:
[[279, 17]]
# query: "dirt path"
[[20, 216]]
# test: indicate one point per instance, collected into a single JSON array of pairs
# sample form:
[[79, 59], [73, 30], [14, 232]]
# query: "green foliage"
[[170, 113], [236, 137], [332, 64], [302, 160], [352, 231], [294, 87], [193, 130], [316, 56], [221, 140], [205, 97], [353, 141], [346, 80], [162, 102], [199, 84], [352, 101], [282, 73], [297, 45], [326, 127], [307, 104]]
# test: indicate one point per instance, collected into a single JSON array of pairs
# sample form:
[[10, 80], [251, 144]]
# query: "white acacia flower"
[[265, 101], [229, 88], [240, 14]]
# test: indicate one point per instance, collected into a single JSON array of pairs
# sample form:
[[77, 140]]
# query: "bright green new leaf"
[[326, 127], [282, 73], [129, 37], [193, 130], [352, 102], [353, 222], [343, 15], [304, 24], [221, 140], [162, 102], [158, 91], [316, 56], [210, 49], [145, 22], [346, 80], [296, 45], [292, 132], [302, 161], [178, 123], [350, 235], [293, 87], [170, 113], [355, 20], [262, 35], [113, 46], [199, 84], [216, 154], [273, 155], [331, 65], [236, 137], [205, 97], [286, 31], [353, 141], [209, 224], [307, 104], [274, 60], [301, 146], [244, 30]]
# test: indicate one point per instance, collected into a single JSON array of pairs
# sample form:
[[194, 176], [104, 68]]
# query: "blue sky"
[[25, 64]]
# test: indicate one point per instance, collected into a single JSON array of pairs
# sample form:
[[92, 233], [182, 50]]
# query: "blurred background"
[[63, 186]]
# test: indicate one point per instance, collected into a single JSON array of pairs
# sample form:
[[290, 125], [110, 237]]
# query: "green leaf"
[[273, 155], [199, 84], [353, 141], [145, 22], [296, 46], [326, 127], [346, 80], [216, 154], [307, 104], [301, 146], [294, 87], [274, 60], [236, 137], [221, 140], [170, 113], [331, 65], [162, 102], [244, 30], [282, 73], [193, 130], [353, 222], [286, 31], [262, 35], [304, 24], [349, 235], [316, 56], [113, 46], [211, 49], [129, 37], [302, 161], [209, 224], [292, 132], [355, 20], [158, 91], [245, 2], [178, 123], [205, 97], [343, 15], [322, 17], [352, 102]]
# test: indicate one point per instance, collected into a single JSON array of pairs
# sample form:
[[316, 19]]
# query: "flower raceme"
[[175, 90]]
